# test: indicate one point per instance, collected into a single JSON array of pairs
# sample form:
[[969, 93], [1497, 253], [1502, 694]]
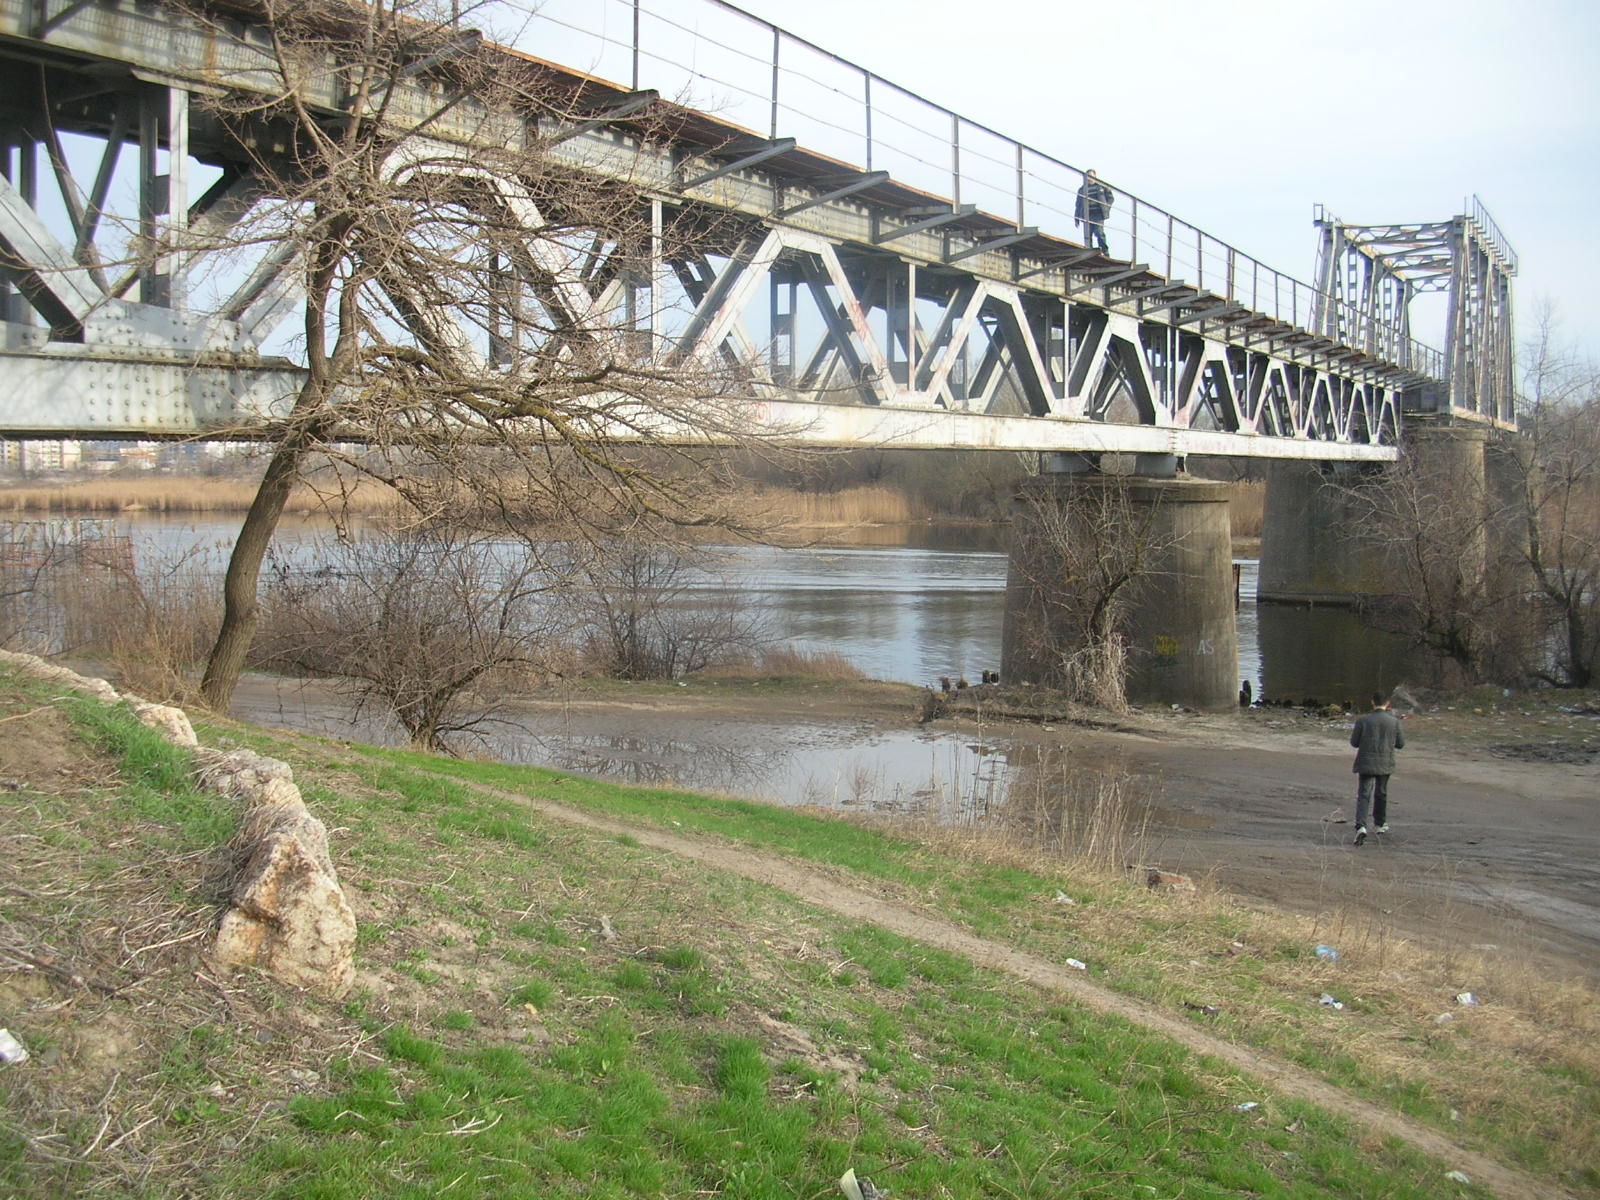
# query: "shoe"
[[1361, 834], [1381, 829]]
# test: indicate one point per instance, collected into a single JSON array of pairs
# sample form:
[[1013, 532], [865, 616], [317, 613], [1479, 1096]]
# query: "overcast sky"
[[1240, 115]]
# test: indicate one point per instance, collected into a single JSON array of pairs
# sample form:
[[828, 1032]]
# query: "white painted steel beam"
[[63, 291], [821, 229]]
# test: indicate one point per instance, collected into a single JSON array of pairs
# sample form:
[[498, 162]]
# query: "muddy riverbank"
[[1495, 836]]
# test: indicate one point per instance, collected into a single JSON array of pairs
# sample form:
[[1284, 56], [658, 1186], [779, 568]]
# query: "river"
[[905, 605], [913, 604]]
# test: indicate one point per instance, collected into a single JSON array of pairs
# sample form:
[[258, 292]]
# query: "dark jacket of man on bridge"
[[1376, 737], [1094, 206]]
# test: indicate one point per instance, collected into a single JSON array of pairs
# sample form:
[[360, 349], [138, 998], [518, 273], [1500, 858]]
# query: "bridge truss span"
[[855, 308]]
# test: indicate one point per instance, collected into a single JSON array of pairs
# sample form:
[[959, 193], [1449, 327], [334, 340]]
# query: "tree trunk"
[[239, 609]]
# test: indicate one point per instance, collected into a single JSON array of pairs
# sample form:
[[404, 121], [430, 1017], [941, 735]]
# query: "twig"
[[171, 941], [104, 1125], [130, 1133], [24, 716]]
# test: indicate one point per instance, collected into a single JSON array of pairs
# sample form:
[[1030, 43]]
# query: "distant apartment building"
[[40, 456]]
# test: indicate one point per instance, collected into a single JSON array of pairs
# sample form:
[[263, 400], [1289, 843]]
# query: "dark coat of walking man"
[[1094, 206], [1376, 737]]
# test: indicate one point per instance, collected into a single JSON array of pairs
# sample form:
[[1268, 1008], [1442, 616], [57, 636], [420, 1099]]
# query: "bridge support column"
[[1074, 530], [1309, 554], [1313, 545]]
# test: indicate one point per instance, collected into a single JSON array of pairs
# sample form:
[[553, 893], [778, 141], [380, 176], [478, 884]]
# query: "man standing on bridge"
[[1094, 206], [1376, 737]]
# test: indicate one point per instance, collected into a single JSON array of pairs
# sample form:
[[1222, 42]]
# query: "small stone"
[[1169, 881], [12, 1051]]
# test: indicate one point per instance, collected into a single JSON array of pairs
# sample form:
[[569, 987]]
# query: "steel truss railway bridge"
[[914, 287], [867, 269]]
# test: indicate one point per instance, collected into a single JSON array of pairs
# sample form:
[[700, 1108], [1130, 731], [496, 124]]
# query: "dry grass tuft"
[[787, 662]]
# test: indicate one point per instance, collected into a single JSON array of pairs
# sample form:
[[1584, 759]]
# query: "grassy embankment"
[[545, 1010]]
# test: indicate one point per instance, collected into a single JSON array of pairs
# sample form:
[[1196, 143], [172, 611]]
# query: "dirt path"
[[826, 891], [1487, 850]]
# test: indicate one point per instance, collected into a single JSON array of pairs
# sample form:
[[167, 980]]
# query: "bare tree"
[[459, 290], [414, 624], [1554, 474], [1448, 585], [654, 611], [1081, 552], [1494, 566]]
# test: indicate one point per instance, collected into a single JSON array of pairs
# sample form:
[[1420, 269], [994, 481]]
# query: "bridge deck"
[[946, 324]]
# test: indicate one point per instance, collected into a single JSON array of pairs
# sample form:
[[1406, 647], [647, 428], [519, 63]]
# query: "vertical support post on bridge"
[[1320, 551], [657, 278], [163, 197], [1310, 551], [777, 40], [14, 305], [1178, 628]]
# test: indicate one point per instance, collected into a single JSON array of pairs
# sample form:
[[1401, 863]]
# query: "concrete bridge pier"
[[1075, 526], [1314, 547]]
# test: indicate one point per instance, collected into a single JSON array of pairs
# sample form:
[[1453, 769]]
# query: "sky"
[[1239, 115]]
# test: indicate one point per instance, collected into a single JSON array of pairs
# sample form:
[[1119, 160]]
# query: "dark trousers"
[[1094, 234], [1372, 798]]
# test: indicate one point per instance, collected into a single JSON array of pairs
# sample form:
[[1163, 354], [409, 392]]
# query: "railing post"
[[636, 4], [1021, 214], [866, 80], [777, 38], [955, 160]]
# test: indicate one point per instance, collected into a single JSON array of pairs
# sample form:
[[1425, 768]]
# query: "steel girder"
[[1367, 276], [830, 299]]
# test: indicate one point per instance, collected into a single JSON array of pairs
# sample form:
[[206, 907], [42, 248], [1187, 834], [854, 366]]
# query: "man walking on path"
[[1376, 737], [1094, 206]]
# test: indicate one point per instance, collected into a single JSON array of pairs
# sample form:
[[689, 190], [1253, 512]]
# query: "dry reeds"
[[1247, 506], [170, 494], [787, 661], [1057, 814], [872, 505]]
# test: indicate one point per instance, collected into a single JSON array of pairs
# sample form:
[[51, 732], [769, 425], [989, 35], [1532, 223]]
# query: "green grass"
[[157, 777], [650, 1078], [723, 1038], [999, 900]]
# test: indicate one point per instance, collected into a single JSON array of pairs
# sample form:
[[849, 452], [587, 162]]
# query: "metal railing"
[[1479, 216], [715, 57]]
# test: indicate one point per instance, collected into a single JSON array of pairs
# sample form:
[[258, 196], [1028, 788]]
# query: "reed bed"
[[871, 505], [173, 494], [1247, 504]]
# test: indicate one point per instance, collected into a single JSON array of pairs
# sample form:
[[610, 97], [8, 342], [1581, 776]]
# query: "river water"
[[916, 605], [912, 604]]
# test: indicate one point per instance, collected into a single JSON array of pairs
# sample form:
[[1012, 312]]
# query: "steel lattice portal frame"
[[1368, 275], [860, 310]]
